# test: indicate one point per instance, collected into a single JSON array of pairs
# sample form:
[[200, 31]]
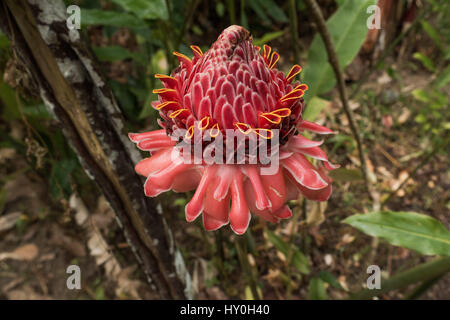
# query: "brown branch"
[[75, 92], [333, 59]]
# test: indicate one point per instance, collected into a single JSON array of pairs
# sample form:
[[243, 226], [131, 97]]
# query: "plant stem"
[[422, 288], [333, 59], [220, 253], [231, 11], [290, 252], [424, 272], [242, 251], [244, 22], [187, 20], [294, 28]]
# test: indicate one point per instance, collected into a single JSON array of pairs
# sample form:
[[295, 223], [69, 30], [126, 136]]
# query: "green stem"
[[294, 28], [242, 251], [187, 20], [231, 11], [424, 272], [220, 253], [244, 22], [291, 251], [422, 288]]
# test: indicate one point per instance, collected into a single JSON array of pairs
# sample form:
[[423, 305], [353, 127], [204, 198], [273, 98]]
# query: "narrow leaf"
[[406, 229], [110, 18], [317, 290], [145, 9], [299, 260]]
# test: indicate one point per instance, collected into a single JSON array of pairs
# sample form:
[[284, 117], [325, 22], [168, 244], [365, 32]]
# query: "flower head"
[[234, 86]]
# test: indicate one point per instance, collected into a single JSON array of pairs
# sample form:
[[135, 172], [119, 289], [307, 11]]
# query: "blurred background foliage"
[[399, 92]]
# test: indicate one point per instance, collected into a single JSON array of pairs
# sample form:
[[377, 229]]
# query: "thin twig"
[[333, 59]]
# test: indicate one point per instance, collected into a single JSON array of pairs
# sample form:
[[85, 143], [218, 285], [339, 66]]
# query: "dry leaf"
[[404, 116], [99, 249], [81, 212], [6, 154], [316, 214], [24, 253], [384, 78], [9, 220], [328, 259]]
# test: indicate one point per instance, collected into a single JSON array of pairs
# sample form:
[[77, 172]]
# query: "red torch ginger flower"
[[234, 85]]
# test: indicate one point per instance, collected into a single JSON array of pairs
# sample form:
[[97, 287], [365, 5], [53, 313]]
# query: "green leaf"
[[421, 95], [444, 78], [432, 33], [273, 10], [266, 8], [317, 290], [10, 111], [145, 9], [348, 31], [266, 38], [406, 229], [112, 53], [314, 108], [4, 41], [299, 260], [220, 9], [426, 62], [60, 178], [110, 18], [126, 99], [330, 279]]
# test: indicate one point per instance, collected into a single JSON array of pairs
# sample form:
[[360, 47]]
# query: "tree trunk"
[[75, 92]]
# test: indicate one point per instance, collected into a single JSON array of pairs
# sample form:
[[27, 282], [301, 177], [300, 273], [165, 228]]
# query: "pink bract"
[[234, 85]]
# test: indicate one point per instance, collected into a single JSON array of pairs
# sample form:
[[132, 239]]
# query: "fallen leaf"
[[24, 253], [404, 116], [6, 154], [328, 259], [81, 212], [316, 214], [384, 78], [9, 220]]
